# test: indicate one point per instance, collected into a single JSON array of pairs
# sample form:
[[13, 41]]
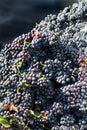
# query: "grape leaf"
[[20, 64], [26, 84], [43, 78], [36, 114], [4, 122]]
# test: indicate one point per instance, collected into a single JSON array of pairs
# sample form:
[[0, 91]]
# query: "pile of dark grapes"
[[43, 74]]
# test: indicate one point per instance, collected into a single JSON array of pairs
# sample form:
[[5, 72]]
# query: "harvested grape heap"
[[43, 74]]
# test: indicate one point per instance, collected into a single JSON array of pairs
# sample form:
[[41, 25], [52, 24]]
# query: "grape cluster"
[[43, 75]]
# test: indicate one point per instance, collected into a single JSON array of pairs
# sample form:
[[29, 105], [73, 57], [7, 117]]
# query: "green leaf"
[[8, 91], [56, 33], [20, 64], [11, 121], [23, 74], [5, 61], [19, 73], [4, 122], [43, 78], [36, 114], [42, 64], [26, 84], [37, 24], [13, 66], [31, 112], [23, 81], [17, 90], [25, 42]]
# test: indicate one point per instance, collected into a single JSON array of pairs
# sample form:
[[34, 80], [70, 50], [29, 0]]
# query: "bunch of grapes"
[[43, 75]]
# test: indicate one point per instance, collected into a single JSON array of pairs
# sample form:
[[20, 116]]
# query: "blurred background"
[[19, 16]]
